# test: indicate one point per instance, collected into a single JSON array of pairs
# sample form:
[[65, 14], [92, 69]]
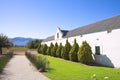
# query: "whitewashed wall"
[[58, 31], [109, 46]]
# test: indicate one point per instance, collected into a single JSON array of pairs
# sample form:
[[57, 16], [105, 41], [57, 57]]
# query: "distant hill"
[[20, 41]]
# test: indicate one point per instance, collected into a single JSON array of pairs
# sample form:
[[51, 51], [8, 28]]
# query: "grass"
[[3, 60], [65, 70], [15, 49]]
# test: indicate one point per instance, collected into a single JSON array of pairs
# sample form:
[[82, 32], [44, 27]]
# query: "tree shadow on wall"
[[103, 60]]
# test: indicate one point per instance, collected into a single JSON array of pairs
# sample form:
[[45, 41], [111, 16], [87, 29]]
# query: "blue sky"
[[40, 18]]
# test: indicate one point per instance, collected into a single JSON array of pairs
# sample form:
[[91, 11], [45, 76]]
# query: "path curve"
[[20, 68]]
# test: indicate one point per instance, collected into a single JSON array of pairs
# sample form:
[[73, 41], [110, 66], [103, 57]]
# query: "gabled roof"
[[104, 25], [64, 32], [49, 39], [107, 24]]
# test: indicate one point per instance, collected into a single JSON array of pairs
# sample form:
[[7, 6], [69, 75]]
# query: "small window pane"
[[97, 50]]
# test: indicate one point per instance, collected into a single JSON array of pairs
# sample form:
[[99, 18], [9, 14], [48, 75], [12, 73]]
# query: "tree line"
[[70, 52], [33, 44]]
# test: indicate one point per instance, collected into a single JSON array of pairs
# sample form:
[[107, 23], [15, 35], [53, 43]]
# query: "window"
[[57, 35], [97, 50]]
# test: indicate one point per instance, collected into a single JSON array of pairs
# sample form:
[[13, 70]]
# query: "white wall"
[[108, 42], [58, 31]]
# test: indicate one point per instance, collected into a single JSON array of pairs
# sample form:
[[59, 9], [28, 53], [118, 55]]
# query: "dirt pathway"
[[19, 68]]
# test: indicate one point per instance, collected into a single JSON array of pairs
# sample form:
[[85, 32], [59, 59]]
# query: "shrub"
[[65, 51], [73, 52], [51, 46], [59, 49], [40, 62], [53, 53], [41, 49], [62, 52], [48, 51], [85, 53], [44, 49], [38, 49]]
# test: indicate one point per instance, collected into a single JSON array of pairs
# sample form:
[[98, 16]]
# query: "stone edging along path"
[[20, 68]]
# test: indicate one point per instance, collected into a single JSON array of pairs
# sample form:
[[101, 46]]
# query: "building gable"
[[104, 25], [58, 34]]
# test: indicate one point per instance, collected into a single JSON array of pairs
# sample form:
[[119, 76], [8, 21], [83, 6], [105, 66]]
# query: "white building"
[[103, 37]]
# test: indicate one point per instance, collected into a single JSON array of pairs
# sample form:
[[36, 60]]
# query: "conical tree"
[[59, 49], [41, 49], [65, 53], [48, 51], [73, 52], [54, 49], [62, 52], [85, 53], [38, 49], [51, 47], [44, 50], [3, 42]]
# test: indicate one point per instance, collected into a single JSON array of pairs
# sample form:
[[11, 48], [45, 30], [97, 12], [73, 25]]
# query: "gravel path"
[[19, 68]]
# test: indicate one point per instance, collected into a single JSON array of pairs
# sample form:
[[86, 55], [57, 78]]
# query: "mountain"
[[20, 41]]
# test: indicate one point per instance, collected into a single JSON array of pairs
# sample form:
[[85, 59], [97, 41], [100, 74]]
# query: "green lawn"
[[66, 70]]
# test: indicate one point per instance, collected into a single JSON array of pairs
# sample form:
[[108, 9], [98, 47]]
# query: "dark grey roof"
[[49, 39], [64, 32], [104, 25], [107, 24]]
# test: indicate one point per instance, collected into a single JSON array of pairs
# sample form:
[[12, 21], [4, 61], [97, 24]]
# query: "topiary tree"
[[41, 49], [48, 51], [59, 49], [53, 53], [38, 49], [65, 51], [51, 46], [62, 52], [85, 53], [73, 52], [44, 50]]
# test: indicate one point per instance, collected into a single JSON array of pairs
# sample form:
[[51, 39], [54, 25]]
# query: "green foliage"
[[33, 44], [54, 49], [41, 49], [51, 46], [38, 49], [44, 49], [3, 42], [85, 53], [48, 51], [4, 59], [59, 49], [65, 50], [62, 52], [73, 52], [39, 61]]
